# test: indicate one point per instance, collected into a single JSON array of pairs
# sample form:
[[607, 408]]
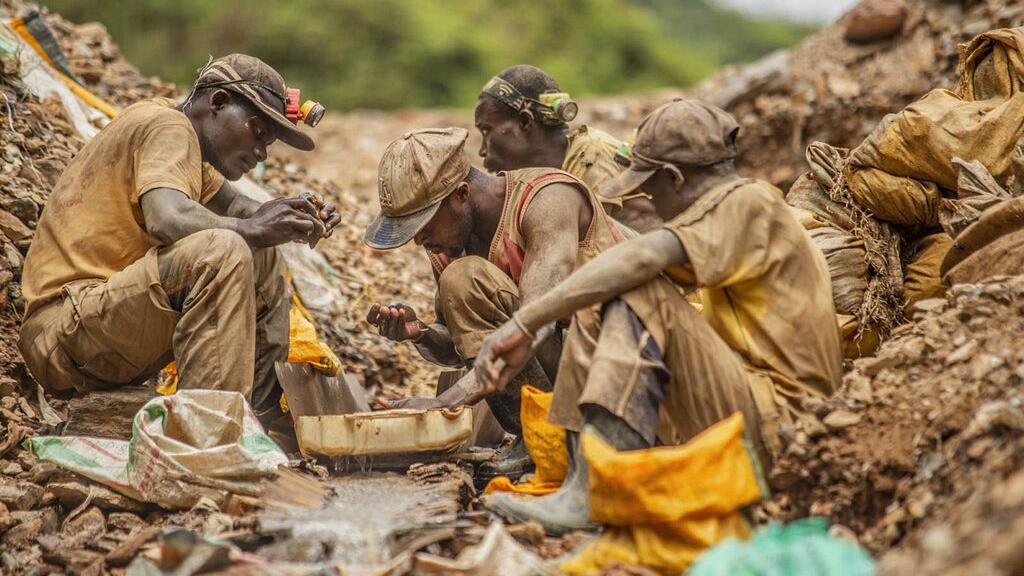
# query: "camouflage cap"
[[416, 172], [683, 132]]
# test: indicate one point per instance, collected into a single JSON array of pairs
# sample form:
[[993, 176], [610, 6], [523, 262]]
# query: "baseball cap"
[[416, 172], [254, 80], [683, 132]]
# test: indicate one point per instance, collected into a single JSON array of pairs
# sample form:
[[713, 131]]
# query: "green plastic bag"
[[800, 548]]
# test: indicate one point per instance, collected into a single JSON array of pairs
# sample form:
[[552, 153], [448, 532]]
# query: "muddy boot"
[[568, 509], [506, 408]]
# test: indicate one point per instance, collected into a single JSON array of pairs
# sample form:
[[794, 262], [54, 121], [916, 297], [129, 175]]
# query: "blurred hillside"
[[401, 53]]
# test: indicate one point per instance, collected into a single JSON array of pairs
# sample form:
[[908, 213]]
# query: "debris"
[[874, 20]]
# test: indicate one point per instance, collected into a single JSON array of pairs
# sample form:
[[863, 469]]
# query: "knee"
[[462, 277], [224, 249]]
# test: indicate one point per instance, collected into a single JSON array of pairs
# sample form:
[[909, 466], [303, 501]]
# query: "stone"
[[128, 549], [841, 419], [13, 228], [874, 20], [24, 208], [19, 495], [106, 413], [73, 493], [963, 352]]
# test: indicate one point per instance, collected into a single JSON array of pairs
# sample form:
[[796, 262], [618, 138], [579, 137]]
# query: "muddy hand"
[[503, 353], [396, 321], [326, 211]]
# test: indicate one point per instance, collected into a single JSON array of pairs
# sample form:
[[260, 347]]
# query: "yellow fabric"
[[590, 156], [546, 444], [303, 346], [665, 506], [93, 226], [761, 279]]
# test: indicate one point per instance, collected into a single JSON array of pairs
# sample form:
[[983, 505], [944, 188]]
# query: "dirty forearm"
[[228, 201], [170, 215], [616, 271]]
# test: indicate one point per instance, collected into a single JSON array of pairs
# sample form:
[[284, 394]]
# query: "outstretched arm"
[[616, 271]]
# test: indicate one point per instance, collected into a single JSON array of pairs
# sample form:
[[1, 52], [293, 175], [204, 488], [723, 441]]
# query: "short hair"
[[529, 80]]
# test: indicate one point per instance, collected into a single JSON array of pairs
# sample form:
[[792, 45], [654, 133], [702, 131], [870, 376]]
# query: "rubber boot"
[[568, 509], [514, 460]]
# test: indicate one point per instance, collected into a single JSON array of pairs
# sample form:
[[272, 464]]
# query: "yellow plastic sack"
[[546, 445], [896, 199], [991, 65], [922, 278], [856, 343], [303, 346], [665, 506]]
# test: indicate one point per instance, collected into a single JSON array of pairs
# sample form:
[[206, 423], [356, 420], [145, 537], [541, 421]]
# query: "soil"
[[918, 456]]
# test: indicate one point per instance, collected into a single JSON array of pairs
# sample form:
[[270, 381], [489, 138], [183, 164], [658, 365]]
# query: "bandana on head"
[[506, 93]]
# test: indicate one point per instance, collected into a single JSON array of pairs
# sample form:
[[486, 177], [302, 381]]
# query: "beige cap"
[[683, 132], [416, 172]]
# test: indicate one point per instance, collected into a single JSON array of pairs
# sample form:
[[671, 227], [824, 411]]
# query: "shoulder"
[[156, 113]]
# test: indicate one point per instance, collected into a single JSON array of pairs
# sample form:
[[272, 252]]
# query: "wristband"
[[521, 326]]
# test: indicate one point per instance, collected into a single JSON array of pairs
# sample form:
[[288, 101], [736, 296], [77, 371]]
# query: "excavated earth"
[[918, 456]]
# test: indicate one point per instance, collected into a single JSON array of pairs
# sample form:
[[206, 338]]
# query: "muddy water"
[[361, 518]]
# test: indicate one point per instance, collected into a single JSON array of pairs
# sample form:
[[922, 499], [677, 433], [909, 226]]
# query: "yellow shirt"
[[765, 287], [93, 226]]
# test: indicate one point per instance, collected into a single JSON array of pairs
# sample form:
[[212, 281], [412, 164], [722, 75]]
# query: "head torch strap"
[[508, 94]]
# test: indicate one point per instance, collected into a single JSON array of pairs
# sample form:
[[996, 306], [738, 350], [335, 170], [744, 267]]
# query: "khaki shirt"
[[765, 287], [93, 226]]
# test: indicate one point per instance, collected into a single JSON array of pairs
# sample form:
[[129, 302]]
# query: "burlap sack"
[[846, 265], [922, 276], [1003, 219], [1002, 257], [991, 65], [922, 140]]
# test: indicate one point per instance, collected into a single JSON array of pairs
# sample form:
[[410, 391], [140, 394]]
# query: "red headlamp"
[[309, 111]]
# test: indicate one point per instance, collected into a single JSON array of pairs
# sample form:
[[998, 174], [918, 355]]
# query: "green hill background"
[[408, 53]]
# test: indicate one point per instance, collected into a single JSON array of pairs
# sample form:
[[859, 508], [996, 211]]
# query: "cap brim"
[[387, 232], [286, 131], [626, 182]]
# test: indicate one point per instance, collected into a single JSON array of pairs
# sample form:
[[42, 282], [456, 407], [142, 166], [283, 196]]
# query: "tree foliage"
[[404, 53]]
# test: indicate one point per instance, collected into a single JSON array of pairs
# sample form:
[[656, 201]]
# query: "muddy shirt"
[[93, 225], [765, 287], [590, 156]]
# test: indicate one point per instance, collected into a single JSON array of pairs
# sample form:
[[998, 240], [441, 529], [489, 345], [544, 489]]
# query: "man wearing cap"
[[145, 253], [767, 338], [523, 115], [508, 238]]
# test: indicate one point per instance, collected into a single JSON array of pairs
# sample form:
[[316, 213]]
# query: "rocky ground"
[[918, 456]]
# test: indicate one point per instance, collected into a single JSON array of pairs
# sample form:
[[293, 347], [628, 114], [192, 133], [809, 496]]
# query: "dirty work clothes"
[[93, 226], [209, 302], [767, 337], [590, 156]]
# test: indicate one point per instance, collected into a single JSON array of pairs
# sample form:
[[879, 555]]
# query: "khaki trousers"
[[617, 363], [208, 301], [475, 298]]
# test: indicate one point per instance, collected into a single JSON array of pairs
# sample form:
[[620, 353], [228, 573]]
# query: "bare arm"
[[616, 271], [552, 226], [171, 215], [228, 201]]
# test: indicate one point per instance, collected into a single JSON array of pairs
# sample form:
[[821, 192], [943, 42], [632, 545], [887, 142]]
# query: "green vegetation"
[[404, 53]]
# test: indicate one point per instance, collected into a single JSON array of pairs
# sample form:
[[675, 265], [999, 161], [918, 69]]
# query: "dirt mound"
[[933, 419]]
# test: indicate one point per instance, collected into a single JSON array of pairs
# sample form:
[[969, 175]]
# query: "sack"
[[846, 266], [976, 191], [921, 141], [178, 442], [896, 199], [1004, 256], [1002, 219], [665, 506], [545, 443], [800, 548], [856, 342], [991, 65], [922, 278]]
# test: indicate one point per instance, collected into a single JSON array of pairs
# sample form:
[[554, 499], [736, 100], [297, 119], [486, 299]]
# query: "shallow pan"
[[384, 432]]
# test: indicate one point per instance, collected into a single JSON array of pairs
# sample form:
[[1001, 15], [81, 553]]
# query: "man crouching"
[[145, 254]]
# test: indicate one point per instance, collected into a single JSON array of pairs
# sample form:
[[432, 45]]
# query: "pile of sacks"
[[927, 199]]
